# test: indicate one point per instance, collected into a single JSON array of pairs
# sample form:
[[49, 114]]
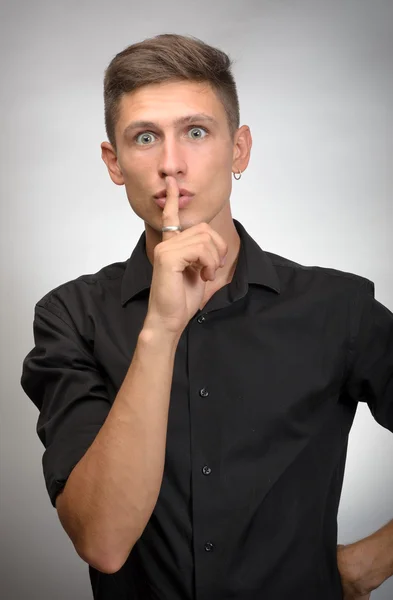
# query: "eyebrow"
[[180, 121]]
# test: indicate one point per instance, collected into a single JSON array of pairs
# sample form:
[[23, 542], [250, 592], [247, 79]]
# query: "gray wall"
[[315, 87]]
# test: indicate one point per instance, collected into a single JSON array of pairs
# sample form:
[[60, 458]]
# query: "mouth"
[[183, 201], [185, 197], [182, 192]]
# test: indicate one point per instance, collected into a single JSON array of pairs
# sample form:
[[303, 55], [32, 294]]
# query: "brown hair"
[[169, 57]]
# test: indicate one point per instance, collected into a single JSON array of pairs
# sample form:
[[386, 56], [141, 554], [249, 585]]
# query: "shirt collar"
[[253, 266]]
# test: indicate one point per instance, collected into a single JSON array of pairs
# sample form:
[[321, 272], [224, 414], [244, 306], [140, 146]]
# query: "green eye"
[[196, 129], [144, 136]]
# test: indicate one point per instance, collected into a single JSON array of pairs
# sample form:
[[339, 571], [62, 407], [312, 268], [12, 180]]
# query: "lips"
[[182, 192], [183, 201]]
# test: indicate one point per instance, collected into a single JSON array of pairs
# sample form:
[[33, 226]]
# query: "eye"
[[143, 136], [196, 129]]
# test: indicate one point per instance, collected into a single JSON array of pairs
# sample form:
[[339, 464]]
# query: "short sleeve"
[[62, 379], [370, 377]]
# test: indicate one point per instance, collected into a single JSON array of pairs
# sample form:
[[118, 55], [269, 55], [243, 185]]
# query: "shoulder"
[[296, 276], [86, 289]]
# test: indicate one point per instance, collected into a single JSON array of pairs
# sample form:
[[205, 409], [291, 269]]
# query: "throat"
[[209, 293]]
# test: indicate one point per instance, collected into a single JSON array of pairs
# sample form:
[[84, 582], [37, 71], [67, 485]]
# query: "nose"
[[172, 159]]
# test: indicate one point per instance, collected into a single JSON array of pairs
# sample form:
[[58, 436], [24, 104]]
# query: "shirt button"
[[203, 392], [206, 470], [201, 318], [209, 546]]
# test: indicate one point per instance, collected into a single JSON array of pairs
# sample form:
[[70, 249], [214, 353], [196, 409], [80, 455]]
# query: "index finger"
[[170, 214]]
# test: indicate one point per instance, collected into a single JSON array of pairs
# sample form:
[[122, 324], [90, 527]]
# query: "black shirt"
[[266, 382]]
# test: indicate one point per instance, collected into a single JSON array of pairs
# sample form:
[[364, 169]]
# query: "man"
[[195, 401]]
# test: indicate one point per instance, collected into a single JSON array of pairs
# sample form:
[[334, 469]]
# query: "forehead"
[[166, 101]]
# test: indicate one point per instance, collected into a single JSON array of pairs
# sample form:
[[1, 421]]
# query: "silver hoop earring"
[[237, 178]]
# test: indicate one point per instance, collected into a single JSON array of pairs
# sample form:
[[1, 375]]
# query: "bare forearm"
[[379, 548], [112, 491], [367, 563]]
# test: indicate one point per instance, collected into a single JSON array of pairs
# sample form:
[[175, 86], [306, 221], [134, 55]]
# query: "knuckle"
[[158, 253], [206, 237]]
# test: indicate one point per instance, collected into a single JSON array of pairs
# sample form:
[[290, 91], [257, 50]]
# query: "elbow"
[[109, 568], [103, 554], [110, 554], [107, 562]]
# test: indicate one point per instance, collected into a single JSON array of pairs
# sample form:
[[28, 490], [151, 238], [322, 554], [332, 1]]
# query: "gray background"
[[315, 87]]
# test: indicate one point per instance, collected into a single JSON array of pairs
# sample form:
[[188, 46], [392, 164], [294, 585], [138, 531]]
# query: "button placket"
[[205, 469]]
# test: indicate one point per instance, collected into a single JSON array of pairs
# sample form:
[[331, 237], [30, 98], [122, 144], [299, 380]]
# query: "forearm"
[[364, 565], [112, 491], [379, 549]]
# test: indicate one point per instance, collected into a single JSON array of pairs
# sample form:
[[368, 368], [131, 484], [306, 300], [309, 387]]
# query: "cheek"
[[218, 185], [220, 164], [135, 178], [221, 160]]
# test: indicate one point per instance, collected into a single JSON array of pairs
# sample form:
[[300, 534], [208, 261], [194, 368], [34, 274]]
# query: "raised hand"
[[183, 262]]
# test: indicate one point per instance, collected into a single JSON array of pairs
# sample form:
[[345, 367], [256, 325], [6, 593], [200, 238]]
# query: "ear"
[[108, 155], [241, 149]]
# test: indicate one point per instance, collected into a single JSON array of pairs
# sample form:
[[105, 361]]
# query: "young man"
[[195, 401]]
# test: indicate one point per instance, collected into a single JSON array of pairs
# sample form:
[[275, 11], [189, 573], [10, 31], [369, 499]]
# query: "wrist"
[[154, 333]]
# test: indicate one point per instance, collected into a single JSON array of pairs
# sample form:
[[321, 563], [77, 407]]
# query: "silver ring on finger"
[[171, 228]]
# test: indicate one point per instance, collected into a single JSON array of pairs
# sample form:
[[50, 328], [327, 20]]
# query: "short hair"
[[169, 57]]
